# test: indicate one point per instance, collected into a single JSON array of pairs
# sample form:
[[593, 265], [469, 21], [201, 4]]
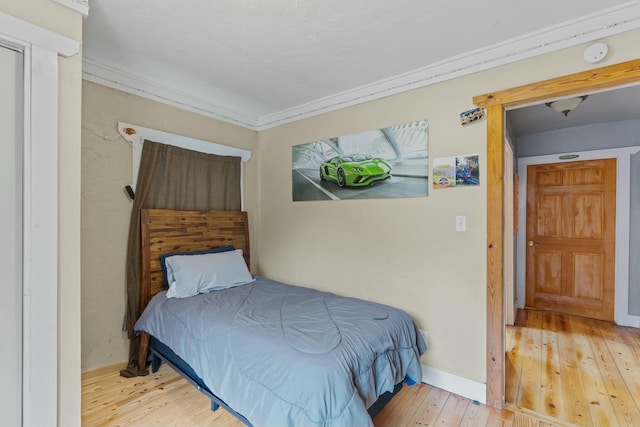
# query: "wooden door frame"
[[496, 103]]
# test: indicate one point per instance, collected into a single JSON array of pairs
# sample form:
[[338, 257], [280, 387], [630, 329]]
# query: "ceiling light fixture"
[[567, 105]]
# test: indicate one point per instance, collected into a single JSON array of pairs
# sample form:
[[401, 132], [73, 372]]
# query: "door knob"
[[530, 243]]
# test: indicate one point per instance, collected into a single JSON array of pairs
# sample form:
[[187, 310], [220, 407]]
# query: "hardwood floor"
[[166, 399], [580, 371]]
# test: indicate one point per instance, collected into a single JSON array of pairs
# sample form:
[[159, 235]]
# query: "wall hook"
[[129, 191]]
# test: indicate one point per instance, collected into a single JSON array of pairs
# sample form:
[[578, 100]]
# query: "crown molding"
[[137, 85], [592, 27], [81, 6]]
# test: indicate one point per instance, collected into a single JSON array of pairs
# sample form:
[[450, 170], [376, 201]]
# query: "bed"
[[273, 354]]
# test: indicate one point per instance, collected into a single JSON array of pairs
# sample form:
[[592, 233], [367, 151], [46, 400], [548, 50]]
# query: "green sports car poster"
[[390, 162]]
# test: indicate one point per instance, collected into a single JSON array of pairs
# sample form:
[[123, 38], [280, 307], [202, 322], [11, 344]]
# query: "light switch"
[[461, 223]]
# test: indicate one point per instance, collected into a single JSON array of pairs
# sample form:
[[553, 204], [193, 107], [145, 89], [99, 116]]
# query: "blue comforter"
[[285, 355]]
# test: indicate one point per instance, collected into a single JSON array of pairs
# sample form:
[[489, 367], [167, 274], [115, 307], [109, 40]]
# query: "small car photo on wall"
[[383, 163]]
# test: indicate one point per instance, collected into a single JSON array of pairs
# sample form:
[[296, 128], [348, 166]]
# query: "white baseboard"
[[454, 384]]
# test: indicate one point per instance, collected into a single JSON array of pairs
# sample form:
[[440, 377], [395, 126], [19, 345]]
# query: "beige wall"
[[403, 252], [59, 19], [106, 169]]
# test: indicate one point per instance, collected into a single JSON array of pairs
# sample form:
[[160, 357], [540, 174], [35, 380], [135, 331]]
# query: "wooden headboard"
[[164, 231]]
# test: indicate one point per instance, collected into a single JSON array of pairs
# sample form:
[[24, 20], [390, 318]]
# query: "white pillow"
[[194, 274]]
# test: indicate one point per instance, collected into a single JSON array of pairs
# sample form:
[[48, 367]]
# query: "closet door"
[[11, 168]]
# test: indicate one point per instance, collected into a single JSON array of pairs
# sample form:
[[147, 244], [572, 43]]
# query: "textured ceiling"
[[260, 62]]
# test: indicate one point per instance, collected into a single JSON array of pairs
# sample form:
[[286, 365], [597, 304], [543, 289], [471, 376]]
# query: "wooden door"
[[571, 237]]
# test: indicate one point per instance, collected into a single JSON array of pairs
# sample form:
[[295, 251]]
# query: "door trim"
[[11, 110], [509, 238], [495, 103], [41, 48], [623, 193]]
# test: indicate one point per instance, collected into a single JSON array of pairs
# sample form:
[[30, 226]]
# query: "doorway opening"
[[495, 103], [551, 356]]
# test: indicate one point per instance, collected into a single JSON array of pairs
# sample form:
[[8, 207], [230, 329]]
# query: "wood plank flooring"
[[574, 370], [166, 399]]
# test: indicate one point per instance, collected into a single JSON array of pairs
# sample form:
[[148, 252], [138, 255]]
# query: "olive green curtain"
[[173, 178]]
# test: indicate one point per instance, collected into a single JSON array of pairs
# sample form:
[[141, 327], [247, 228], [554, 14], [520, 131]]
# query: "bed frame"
[[164, 231]]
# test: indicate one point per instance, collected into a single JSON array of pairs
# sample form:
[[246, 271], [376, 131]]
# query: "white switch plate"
[[461, 223]]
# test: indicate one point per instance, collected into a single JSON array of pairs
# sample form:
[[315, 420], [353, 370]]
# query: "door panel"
[[588, 271], [549, 222], [548, 267], [588, 212], [571, 237]]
